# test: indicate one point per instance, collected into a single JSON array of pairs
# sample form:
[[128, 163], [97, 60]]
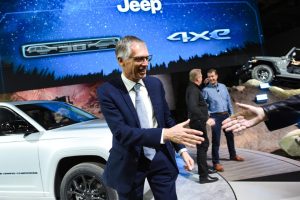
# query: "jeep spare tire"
[[84, 181], [263, 73]]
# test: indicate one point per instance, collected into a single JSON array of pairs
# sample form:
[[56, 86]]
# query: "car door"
[[19, 163]]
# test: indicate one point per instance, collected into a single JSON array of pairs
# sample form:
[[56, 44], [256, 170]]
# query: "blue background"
[[34, 21]]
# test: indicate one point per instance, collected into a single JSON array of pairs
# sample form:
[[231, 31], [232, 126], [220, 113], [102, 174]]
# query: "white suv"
[[52, 150]]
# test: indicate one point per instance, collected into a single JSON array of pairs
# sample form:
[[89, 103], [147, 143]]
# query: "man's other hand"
[[189, 162], [181, 135]]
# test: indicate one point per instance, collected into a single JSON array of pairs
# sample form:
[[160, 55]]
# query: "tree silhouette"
[[18, 78]]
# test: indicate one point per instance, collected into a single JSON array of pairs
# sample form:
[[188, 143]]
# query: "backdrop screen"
[[57, 42]]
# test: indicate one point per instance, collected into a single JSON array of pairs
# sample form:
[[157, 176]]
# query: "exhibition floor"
[[262, 176]]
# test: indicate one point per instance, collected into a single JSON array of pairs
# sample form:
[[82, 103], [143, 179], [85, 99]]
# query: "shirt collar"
[[198, 86], [129, 84], [216, 85]]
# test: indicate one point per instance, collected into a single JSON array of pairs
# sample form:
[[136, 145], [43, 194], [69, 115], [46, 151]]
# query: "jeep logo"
[[75, 46], [218, 34], [144, 5]]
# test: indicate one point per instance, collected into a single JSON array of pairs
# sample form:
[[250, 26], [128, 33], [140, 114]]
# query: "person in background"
[[144, 134], [219, 106], [198, 115], [276, 115], [294, 66]]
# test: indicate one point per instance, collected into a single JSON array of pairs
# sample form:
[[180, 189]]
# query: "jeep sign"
[[144, 5]]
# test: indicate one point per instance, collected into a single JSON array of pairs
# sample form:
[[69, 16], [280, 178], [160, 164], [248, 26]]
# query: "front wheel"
[[263, 73], [84, 181]]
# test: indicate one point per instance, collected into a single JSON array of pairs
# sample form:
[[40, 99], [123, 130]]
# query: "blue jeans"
[[216, 138]]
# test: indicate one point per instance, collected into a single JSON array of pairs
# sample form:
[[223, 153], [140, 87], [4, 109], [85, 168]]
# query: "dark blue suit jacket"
[[128, 136]]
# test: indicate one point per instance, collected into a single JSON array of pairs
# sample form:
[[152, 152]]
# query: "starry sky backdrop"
[[36, 21]]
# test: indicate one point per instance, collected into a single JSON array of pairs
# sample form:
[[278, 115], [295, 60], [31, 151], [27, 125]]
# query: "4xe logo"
[[76, 46], [144, 5], [218, 34]]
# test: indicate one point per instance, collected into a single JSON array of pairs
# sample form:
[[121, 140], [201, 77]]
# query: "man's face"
[[135, 67], [199, 79], [213, 78]]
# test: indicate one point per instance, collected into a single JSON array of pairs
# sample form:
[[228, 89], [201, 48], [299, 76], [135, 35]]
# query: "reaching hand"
[[189, 162], [248, 117], [210, 122], [181, 135]]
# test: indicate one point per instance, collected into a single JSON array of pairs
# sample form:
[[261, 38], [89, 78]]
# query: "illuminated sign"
[[144, 5], [75, 46], [218, 34]]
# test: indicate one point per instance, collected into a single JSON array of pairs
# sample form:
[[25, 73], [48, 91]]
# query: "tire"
[[263, 73], [84, 181]]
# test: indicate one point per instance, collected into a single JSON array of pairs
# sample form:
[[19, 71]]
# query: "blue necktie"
[[143, 118]]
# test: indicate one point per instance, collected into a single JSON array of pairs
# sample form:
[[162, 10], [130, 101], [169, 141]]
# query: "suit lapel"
[[154, 99], [125, 94]]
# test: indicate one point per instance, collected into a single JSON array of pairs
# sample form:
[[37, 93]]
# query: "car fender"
[[269, 63], [64, 148]]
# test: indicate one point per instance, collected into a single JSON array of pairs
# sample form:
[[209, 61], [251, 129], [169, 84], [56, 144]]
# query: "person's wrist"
[[166, 135], [183, 152], [262, 114]]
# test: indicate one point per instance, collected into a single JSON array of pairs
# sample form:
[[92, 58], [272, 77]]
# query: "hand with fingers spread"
[[248, 117], [181, 135]]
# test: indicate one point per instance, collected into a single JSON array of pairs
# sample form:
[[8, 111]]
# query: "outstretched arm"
[[248, 117]]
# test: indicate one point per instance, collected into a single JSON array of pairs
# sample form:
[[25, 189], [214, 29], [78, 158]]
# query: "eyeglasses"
[[140, 59]]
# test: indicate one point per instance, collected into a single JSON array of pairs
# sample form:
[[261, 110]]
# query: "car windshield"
[[52, 115]]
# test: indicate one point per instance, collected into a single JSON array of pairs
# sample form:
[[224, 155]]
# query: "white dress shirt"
[[147, 101]]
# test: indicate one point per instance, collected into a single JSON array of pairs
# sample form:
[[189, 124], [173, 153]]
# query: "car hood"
[[95, 123], [268, 58], [95, 128], [84, 138]]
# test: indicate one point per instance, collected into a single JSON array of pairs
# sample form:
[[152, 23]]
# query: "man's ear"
[[121, 61]]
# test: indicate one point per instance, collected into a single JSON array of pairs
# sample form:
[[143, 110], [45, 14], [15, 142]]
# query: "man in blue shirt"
[[219, 106]]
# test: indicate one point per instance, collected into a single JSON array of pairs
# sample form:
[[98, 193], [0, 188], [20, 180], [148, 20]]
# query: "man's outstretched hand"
[[248, 117], [181, 135]]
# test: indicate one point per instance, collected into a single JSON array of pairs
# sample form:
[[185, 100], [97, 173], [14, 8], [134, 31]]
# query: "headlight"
[[252, 61]]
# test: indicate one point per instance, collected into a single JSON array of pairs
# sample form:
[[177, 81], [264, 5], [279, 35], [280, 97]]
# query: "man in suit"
[[143, 142], [276, 115], [198, 115]]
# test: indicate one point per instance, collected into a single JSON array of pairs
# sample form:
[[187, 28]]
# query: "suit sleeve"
[[196, 107], [283, 113], [121, 124]]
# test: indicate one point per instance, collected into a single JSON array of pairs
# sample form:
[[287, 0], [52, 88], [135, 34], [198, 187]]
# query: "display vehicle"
[[267, 68], [52, 150]]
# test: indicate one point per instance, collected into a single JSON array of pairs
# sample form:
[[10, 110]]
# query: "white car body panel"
[[29, 163]]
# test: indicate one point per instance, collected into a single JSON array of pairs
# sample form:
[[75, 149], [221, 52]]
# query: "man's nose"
[[145, 62]]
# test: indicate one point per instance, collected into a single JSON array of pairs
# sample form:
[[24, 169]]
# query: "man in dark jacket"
[[198, 114], [276, 115], [144, 133]]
